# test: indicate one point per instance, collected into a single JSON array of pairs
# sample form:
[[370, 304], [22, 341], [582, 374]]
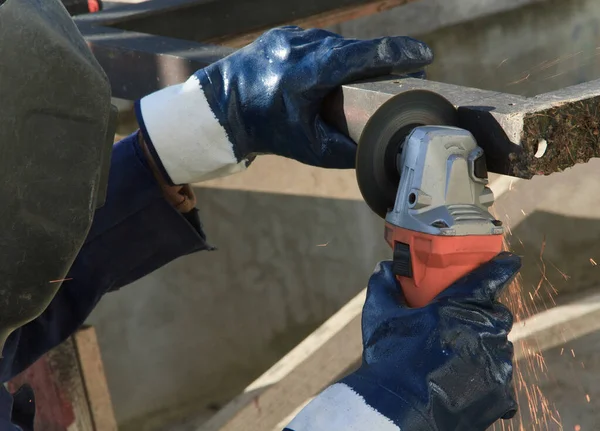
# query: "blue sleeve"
[[136, 232], [6, 405]]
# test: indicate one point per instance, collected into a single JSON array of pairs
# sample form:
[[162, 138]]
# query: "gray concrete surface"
[[426, 16], [296, 242], [539, 47]]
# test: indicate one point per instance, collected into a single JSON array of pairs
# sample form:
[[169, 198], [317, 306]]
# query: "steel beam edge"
[[521, 137]]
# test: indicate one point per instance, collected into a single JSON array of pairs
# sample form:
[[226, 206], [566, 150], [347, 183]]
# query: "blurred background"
[[296, 243]]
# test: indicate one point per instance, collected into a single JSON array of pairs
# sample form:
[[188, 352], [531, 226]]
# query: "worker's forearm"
[[136, 232]]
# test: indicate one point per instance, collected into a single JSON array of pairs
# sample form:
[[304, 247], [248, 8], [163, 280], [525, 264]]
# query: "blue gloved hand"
[[266, 99], [443, 367]]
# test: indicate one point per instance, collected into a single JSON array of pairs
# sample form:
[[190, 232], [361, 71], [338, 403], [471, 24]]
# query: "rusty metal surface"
[[508, 127], [564, 122]]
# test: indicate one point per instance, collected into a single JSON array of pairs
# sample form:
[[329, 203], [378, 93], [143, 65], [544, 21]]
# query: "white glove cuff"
[[340, 408], [182, 131]]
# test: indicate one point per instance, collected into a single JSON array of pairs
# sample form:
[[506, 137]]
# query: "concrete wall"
[[539, 47], [296, 243]]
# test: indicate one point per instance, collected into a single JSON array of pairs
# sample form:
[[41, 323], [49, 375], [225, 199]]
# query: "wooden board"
[[272, 400], [320, 359], [94, 379], [70, 387]]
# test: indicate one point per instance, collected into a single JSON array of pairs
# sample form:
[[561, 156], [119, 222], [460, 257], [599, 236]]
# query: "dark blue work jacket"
[[136, 232]]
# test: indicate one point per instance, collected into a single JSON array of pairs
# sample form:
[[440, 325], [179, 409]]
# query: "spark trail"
[[536, 413]]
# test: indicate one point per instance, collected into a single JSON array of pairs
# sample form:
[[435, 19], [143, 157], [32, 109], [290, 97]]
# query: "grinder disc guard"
[[381, 142]]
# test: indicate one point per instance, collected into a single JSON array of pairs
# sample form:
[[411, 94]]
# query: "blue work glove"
[[443, 367], [266, 99]]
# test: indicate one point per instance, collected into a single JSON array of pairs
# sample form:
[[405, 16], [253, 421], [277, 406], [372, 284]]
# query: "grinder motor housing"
[[440, 227]]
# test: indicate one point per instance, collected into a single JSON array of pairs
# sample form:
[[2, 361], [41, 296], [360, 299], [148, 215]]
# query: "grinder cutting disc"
[[381, 142]]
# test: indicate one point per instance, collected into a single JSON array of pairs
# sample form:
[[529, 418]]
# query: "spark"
[[323, 245], [519, 81], [545, 66], [60, 281], [593, 262], [562, 274], [529, 372], [573, 352], [587, 397], [543, 268], [587, 61], [560, 60]]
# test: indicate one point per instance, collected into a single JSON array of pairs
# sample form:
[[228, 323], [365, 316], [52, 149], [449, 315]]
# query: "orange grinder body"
[[431, 263]]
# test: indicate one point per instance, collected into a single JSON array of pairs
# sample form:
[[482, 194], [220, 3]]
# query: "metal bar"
[[510, 129], [352, 106]]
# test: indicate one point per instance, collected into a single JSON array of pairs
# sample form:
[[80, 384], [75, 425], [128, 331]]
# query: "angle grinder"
[[428, 179]]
